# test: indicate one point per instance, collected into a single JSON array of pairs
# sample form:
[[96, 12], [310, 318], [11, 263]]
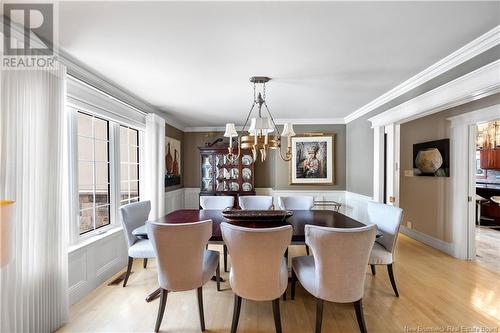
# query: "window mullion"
[[115, 170]]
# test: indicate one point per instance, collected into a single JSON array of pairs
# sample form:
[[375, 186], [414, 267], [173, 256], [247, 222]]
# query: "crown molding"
[[477, 84], [308, 121], [467, 52]]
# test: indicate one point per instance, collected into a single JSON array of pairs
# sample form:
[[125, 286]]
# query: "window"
[[129, 165], [93, 172]]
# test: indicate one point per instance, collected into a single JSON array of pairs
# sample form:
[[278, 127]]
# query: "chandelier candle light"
[[260, 136]]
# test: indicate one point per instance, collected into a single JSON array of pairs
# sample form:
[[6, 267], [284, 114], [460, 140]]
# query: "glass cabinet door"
[[207, 172]]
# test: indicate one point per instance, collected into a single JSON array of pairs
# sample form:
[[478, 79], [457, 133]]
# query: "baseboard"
[[428, 240]]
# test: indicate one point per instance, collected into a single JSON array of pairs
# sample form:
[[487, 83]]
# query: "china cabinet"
[[221, 176]]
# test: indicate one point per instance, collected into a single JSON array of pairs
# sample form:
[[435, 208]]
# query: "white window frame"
[[114, 174]]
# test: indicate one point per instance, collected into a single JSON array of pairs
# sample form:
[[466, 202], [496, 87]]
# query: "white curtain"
[[34, 173], [154, 165]]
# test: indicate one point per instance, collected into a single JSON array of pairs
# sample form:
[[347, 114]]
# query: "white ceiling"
[[193, 59]]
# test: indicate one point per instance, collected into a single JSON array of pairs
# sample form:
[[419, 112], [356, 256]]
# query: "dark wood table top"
[[324, 218]]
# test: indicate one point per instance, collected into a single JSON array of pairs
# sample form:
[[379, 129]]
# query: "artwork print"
[[312, 160], [172, 162], [432, 158]]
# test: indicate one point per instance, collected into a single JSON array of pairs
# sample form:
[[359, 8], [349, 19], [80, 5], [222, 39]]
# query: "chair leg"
[[129, 269], [294, 281], [236, 313], [391, 277], [307, 250], [217, 276], [277, 316], [319, 314], [358, 306], [145, 263], [373, 269], [200, 308], [161, 309], [286, 260], [225, 258]]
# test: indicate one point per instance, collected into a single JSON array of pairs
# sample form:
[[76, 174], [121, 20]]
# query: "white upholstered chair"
[[388, 219], [183, 262], [256, 202], [216, 202], [258, 270], [336, 271], [299, 202], [135, 215]]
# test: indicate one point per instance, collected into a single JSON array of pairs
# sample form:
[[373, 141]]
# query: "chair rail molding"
[[479, 45]]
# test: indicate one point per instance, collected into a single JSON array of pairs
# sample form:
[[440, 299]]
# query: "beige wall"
[[177, 134], [425, 200], [273, 173]]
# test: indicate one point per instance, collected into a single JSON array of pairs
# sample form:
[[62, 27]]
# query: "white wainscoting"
[[92, 264], [174, 200]]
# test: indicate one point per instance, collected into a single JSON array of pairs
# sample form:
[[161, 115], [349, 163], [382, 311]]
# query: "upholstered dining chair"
[[298, 202], [256, 202], [183, 262], [337, 269], [135, 215], [388, 219], [259, 271], [218, 203]]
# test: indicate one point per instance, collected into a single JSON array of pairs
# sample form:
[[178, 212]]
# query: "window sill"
[[95, 238]]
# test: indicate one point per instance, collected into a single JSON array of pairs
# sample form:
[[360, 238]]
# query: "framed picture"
[[432, 158], [172, 162], [313, 159]]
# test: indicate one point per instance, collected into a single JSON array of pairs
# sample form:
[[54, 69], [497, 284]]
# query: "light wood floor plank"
[[436, 291]]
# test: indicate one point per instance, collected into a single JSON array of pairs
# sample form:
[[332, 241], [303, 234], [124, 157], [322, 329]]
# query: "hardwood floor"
[[488, 248], [436, 291]]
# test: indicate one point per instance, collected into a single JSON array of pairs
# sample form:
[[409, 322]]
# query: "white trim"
[[467, 52], [306, 121], [474, 117], [378, 164], [480, 83], [428, 240]]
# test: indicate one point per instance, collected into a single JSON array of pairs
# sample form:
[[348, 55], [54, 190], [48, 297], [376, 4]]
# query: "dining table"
[[298, 220]]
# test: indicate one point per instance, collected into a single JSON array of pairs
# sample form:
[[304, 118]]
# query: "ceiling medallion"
[[262, 134]]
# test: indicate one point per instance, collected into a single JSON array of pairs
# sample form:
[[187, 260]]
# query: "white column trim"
[[378, 164]]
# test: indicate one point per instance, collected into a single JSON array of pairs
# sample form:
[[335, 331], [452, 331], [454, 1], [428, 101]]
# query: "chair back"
[[388, 219], [299, 202], [216, 202], [258, 269], [133, 216], [256, 202], [179, 250], [341, 257]]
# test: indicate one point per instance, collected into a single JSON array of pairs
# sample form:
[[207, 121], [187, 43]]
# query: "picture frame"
[[313, 159], [173, 166]]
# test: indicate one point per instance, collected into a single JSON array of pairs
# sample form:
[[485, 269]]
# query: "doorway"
[[486, 165]]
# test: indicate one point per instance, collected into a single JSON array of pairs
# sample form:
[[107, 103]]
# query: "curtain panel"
[[154, 165], [34, 173]]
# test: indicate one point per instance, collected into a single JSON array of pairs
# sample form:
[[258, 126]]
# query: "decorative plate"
[[247, 159], [246, 187], [235, 187], [247, 174]]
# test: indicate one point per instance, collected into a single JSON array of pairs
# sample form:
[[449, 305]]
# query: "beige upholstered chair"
[[336, 271], [388, 219], [259, 270], [256, 202], [135, 215], [299, 202], [216, 202], [183, 262]]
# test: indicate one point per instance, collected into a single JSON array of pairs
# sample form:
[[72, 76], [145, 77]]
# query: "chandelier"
[[262, 134]]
